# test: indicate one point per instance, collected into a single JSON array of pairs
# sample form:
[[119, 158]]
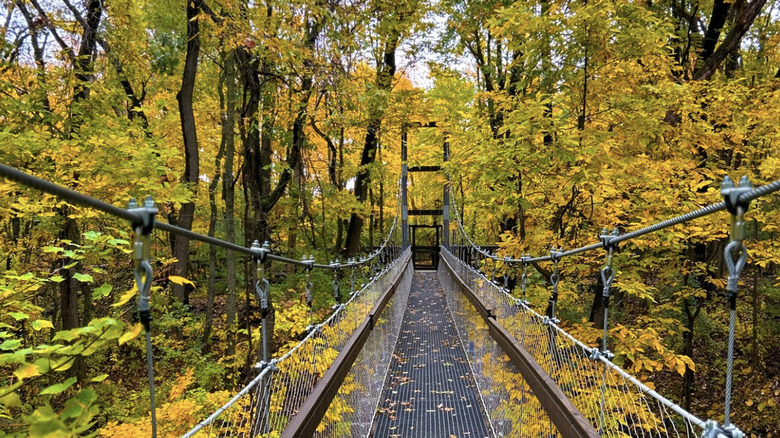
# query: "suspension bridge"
[[441, 349]]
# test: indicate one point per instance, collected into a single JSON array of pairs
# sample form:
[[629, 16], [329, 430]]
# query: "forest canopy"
[[281, 121]]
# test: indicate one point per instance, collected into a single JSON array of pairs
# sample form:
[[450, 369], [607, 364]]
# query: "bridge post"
[[445, 229], [404, 178]]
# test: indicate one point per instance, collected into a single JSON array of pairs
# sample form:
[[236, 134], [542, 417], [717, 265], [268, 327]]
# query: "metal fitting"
[[142, 270], [145, 213], [261, 252], [732, 192]]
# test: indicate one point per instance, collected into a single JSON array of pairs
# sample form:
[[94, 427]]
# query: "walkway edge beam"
[[316, 405], [567, 418]]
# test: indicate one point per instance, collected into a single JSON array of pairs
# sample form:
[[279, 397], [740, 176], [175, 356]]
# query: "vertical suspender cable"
[[143, 278], [607, 277], [735, 256]]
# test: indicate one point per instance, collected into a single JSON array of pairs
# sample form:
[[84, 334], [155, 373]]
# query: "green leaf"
[[41, 323], [99, 378], [103, 291], [56, 278], [84, 278], [117, 242], [70, 265], [19, 316], [50, 249], [91, 235], [11, 344], [58, 387], [66, 335], [11, 400]]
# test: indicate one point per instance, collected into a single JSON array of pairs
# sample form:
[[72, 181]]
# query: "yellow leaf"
[[26, 371], [181, 281], [126, 297], [131, 334], [681, 367], [41, 324], [749, 403]]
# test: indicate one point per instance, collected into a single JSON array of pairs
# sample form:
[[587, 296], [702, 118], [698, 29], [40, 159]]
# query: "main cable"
[[687, 217], [75, 197]]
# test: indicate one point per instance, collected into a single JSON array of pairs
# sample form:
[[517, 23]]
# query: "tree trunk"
[[228, 194], [190, 136], [731, 41], [83, 65], [690, 323], [384, 79]]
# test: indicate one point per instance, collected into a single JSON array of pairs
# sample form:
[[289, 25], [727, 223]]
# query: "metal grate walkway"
[[429, 391]]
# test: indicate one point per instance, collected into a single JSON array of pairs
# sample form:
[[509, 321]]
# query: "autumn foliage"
[[281, 121]]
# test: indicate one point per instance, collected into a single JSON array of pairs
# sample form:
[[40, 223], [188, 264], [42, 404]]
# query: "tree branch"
[[731, 41]]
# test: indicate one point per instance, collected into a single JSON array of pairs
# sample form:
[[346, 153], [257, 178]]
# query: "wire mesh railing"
[[352, 412], [612, 400], [267, 404], [511, 406]]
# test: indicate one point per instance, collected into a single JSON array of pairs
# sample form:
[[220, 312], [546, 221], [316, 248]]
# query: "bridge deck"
[[429, 390]]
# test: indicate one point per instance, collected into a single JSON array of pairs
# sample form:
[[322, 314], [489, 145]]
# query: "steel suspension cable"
[[78, 198], [687, 217]]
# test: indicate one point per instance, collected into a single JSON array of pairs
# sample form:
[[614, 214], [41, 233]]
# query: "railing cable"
[[75, 197], [743, 197]]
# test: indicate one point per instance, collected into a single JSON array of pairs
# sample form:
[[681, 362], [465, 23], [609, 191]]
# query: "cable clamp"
[[713, 430], [732, 431], [260, 365], [732, 192], [547, 320], [607, 239], [145, 213], [596, 354], [261, 252], [521, 303]]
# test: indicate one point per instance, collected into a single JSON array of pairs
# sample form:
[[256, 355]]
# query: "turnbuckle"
[[607, 273], [336, 284], [142, 269], [308, 266], [735, 253], [262, 285]]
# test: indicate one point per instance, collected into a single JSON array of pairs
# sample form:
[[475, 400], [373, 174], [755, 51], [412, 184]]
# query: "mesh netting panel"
[[614, 402], [266, 405]]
